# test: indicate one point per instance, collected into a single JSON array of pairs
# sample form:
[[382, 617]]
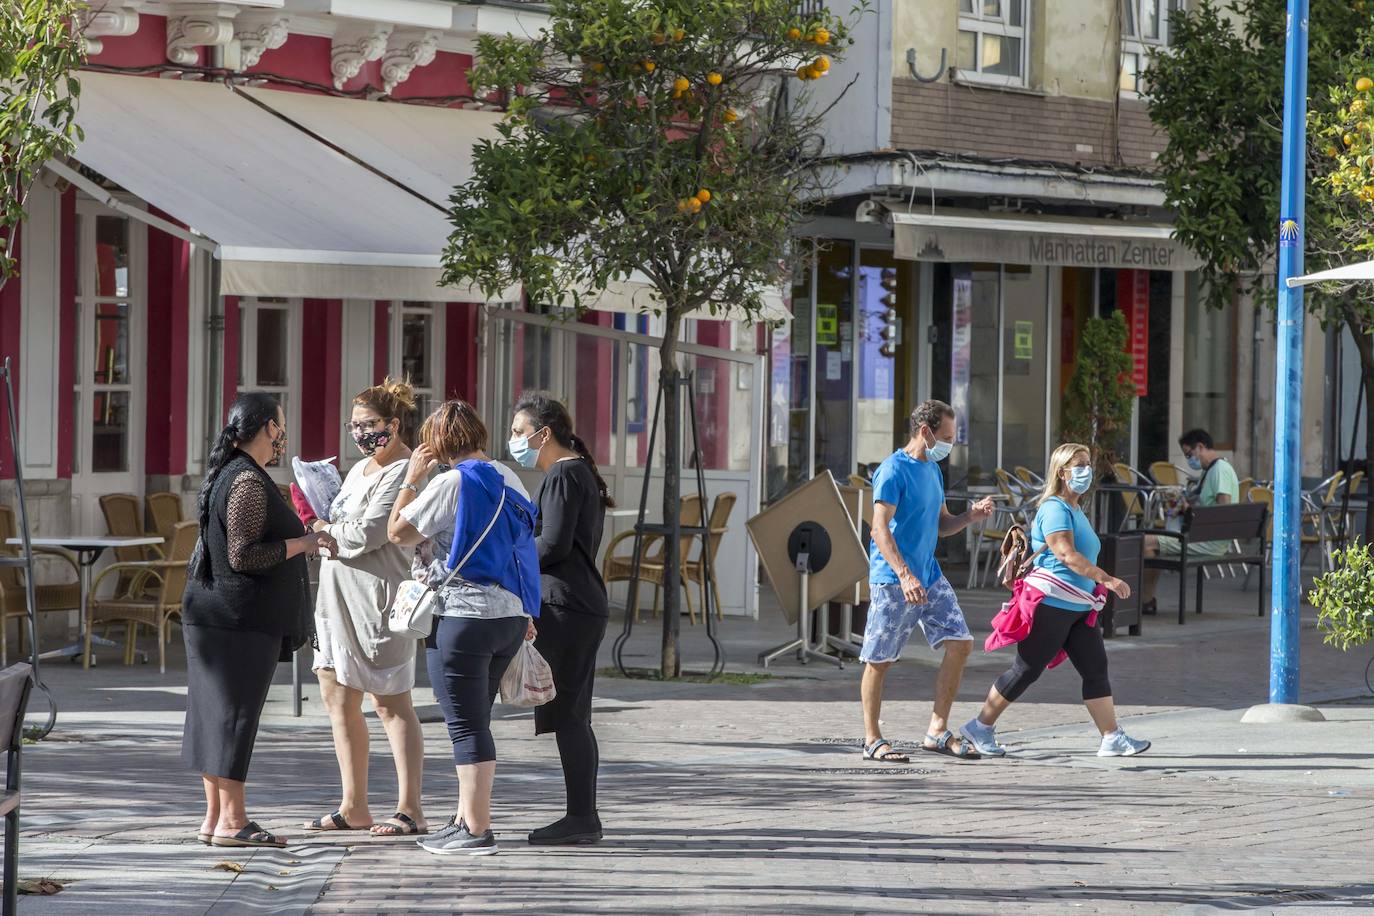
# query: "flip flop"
[[250, 836], [407, 827], [205, 837], [942, 747], [891, 755], [331, 822]]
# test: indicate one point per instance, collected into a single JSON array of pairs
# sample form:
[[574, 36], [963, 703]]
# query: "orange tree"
[[670, 139], [1217, 94], [40, 48]]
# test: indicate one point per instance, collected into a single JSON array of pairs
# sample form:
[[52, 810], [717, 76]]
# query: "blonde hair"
[[1054, 486], [393, 399]]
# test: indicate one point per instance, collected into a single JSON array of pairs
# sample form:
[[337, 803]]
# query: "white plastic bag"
[[528, 680], [320, 482]]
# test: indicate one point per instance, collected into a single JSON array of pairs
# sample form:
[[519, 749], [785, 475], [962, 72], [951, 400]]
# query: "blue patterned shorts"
[[891, 620]]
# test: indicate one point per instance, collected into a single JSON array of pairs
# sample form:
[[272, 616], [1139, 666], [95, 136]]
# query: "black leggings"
[[466, 658], [1053, 629]]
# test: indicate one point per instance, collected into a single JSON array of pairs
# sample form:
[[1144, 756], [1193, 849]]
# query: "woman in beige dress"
[[357, 653]]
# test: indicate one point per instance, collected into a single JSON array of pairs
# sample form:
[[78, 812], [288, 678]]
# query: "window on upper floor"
[[993, 41], [1144, 30]]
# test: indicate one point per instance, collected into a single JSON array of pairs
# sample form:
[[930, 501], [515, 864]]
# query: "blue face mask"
[[1195, 462], [524, 455], [940, 450], [1080, 479]]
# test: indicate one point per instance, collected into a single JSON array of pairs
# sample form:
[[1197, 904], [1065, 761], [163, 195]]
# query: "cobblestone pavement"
[[734, 798]]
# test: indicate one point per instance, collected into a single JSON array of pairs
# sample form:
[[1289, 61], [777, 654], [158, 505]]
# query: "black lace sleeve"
[[246, 520]]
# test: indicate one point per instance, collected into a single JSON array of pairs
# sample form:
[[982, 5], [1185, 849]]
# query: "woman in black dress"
[[247, 606], [572, 621]]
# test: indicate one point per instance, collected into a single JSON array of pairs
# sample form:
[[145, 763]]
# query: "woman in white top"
[[357, 653]]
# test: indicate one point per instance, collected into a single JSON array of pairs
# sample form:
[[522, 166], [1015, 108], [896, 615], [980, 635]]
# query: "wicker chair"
[[618, 567], [164, 509], [124, 518], [56, 598], [168, 575], [719, 524]]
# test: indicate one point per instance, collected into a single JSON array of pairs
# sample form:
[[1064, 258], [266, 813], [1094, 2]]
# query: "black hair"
[[546, 411], [1195, 437], [250, 412]]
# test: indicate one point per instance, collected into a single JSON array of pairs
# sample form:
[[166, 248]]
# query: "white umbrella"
[[1361, 271]]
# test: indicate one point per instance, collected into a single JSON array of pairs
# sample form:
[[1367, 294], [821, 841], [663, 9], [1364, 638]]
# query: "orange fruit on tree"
[[679, 34], [813, 73], [821, 63], [1364, 84], [683, 206], [681, 84], [821, 37], [704, 196], [714, 78], [694, 204], [1348, 139], [649, 66], [803, 73], [659, 38], [794, 33], [730, 116]]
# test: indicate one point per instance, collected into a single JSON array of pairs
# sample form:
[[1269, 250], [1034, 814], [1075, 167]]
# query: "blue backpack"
[[507, 556]]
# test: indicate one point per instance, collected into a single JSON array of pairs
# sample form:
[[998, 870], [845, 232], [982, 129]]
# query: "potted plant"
[[1344, 598]]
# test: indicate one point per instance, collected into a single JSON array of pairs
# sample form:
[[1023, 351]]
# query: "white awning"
[[289, 216], [1361, 271], [1020, 239]]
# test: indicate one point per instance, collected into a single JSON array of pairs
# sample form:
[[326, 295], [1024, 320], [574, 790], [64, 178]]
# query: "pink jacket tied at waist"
[[1013, 623]]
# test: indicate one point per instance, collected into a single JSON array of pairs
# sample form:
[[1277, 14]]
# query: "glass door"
[[834, 364], [110, 361]]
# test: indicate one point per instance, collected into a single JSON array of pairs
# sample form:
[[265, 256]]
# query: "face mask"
[[372, 441], [524, 455], [1195, 462], [1080, 479], [940, 450], [279, 446]]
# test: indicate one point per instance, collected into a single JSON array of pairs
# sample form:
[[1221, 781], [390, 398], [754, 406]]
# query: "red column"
[[169, 261], [322, 358], [460, 351], [713, 406]]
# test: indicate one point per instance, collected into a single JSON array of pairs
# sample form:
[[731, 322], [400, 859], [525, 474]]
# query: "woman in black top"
[[247, 606], [572, 620]]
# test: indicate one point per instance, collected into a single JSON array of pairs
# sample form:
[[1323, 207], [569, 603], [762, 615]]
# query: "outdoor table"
[[88, 551]]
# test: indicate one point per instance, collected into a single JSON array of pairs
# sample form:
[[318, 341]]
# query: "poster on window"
[[960, 357], [781, 387]]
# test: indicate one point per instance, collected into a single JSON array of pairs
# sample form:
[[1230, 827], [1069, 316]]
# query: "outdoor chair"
[[124, 518], [718, 525], [15, 683], [169, 575], [164, 510], [1239, 523], [1137, 510], [61, 597], [619, 567]]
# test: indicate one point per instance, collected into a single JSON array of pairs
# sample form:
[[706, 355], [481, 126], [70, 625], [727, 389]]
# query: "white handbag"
[[412, 611]]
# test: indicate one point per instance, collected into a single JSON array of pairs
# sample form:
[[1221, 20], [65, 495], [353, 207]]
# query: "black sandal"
[[891, 755], [335, 822], [250, 836], [407, 827]]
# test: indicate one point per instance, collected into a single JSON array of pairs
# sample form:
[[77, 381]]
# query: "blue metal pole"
[[1285, 599]]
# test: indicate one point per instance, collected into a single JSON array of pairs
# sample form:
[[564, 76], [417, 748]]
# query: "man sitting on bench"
[[1219, 487]]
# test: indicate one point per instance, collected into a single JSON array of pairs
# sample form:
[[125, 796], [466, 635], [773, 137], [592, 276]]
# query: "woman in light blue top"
[[1067, 549]]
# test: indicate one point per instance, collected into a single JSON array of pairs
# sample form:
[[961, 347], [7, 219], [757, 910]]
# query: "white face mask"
[[940, 450], [1080, 479]]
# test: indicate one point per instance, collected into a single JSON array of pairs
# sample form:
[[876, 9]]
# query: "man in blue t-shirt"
[[905, 582]]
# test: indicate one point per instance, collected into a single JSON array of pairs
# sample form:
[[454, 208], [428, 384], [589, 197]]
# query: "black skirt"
[[228, 673], [568, 640]]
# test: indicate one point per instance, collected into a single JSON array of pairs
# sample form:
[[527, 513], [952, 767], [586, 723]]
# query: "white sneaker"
[[1120, 744]]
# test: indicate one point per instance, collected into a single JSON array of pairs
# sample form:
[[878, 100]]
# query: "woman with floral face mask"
[[1061, 595], [357, 653]]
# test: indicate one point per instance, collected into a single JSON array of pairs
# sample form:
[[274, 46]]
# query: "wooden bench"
[[1245, 523]]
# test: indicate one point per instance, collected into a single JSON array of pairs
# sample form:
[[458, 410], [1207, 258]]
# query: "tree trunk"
[[669, 383]]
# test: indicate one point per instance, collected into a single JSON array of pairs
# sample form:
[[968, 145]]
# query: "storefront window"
[[269, 357], [834, 335], [1209, 368], [1025, 360], [888, 355], [789, 387]]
